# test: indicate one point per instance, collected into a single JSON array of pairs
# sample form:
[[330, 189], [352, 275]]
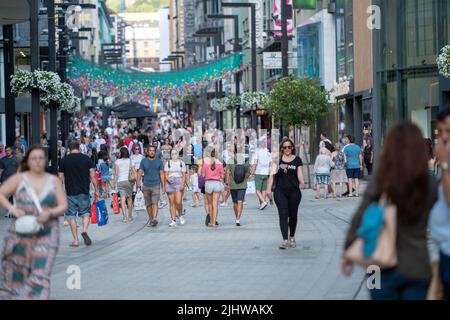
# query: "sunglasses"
[[286, 147]]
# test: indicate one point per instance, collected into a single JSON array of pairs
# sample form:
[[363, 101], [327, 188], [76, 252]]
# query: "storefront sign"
[[272, 60], [341, 89], [259, 23]]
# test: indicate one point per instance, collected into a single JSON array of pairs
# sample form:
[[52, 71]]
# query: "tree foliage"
[[139, 5], [298, 102]]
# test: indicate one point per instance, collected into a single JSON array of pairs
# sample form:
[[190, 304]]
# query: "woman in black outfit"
[[287, 182]]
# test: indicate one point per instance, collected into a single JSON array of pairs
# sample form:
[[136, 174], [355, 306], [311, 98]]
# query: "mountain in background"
[[136, 5]]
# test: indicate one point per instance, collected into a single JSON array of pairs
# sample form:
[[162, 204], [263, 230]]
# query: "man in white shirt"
[[99, 141], [261, 165]]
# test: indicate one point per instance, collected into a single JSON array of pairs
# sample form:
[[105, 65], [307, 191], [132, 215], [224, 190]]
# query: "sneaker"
[[182, 220], [223, 204], [154, 223], [284, 245], [263, 205], [292, 243], [173, 224], [238, 223]]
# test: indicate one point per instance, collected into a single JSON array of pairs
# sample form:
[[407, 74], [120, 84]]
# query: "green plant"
[[443, 61], [298, 102], [254, 100], [232, 102], [49, 86]]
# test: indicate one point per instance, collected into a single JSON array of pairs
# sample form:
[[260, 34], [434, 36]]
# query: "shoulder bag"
[[384, 254], [131, 174], [28, 224]]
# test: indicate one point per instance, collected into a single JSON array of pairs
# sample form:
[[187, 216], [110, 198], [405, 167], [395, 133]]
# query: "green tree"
[[298, 102]]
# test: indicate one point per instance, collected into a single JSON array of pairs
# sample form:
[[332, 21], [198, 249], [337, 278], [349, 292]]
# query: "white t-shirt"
[[109, 131], [124, 169], [136, 160], [84, 148], [177, 168], [99, 142], [264, 157]]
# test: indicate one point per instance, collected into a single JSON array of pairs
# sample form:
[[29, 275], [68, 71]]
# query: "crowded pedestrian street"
[[132, 261], [239, 150]]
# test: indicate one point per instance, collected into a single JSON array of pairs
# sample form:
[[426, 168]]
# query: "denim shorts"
[[79, 205]]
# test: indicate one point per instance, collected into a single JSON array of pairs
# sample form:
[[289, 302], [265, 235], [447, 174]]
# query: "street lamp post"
[[34, 45], [236, 49], [52, 67], [10, 111], [252, 7], [284, 39]]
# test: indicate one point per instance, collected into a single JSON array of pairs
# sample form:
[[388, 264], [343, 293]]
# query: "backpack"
[[239, 173], [181, 165]]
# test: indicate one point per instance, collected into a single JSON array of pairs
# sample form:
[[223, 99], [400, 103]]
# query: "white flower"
[[253, 100], [443, 61], [218, 105]]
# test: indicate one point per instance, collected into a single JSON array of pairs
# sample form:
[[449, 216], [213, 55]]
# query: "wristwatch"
[[444, 165]]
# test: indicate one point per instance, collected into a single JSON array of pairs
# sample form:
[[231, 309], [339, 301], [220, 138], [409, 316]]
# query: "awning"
[[126, 106], [136, 113], [14, 11]]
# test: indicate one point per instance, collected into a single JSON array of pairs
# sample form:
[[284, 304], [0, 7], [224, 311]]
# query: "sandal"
[[87, 240], [74, 245]]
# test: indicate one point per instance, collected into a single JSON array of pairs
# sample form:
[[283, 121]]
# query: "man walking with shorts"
[[354, 161], [236, 176], [77, 170], [153, 170]]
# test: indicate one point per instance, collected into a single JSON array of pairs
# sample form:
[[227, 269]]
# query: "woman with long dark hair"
[[28, 259], [287, 182], [402, 179]]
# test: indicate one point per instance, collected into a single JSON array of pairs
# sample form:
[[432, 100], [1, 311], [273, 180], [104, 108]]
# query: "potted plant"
[[50, 89], [443, 61]]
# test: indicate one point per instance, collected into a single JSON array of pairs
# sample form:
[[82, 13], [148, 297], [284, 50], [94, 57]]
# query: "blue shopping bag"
[[102, 213]]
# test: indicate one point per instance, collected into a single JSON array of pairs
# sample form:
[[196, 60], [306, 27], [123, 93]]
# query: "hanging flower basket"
[[218, 105], [232, 102], [443, 61], [254, 100], [49, 86]]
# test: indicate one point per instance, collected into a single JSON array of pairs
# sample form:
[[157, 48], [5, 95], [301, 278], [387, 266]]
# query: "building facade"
[[143, 38], [408, 85]]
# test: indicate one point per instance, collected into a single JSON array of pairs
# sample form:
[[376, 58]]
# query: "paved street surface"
[[132, 261]]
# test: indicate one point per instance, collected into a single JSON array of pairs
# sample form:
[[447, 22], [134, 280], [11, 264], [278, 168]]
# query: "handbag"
[[131, 174], [384, 254], [94, 213], [115, 203], [28, 224], [201, 181], [139, 201], [102, 213]]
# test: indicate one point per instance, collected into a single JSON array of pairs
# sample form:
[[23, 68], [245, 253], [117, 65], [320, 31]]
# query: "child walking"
[[193, 183], [105, 176]]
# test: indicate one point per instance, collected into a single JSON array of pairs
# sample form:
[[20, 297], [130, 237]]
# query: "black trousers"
[[287, 202]]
